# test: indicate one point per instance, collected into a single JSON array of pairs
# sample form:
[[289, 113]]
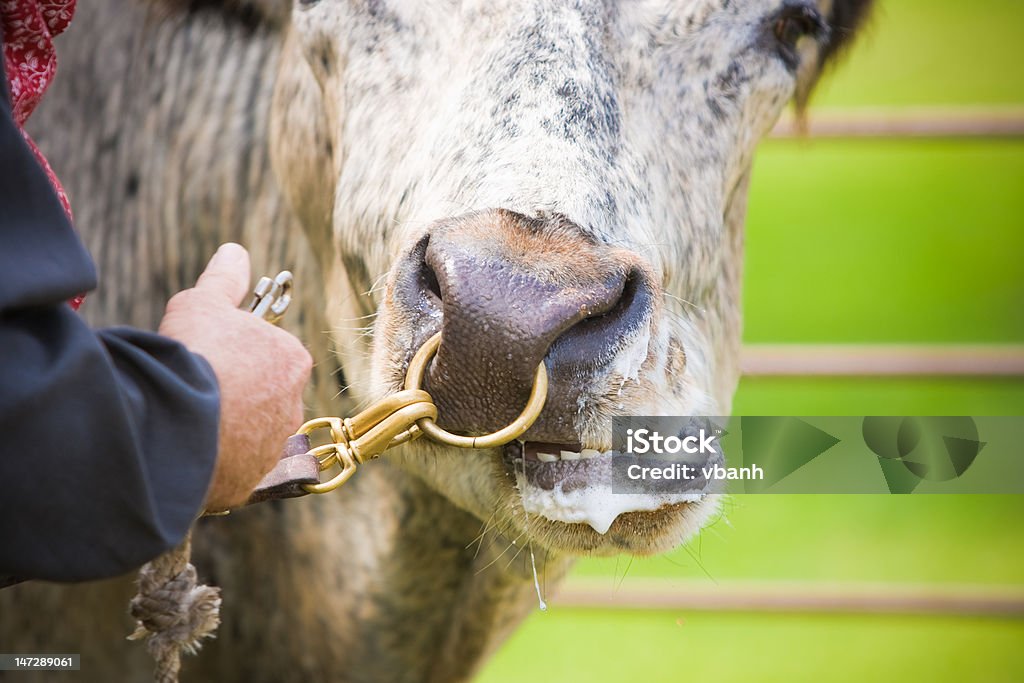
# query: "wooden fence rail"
[[878, 360], [903, 123], [795, 597]]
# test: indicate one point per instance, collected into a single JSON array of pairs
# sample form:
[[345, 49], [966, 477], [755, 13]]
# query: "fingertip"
[[228, 272], [229, 254]]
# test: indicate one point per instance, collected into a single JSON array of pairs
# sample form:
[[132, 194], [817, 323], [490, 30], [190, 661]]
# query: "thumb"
[[227, 274]]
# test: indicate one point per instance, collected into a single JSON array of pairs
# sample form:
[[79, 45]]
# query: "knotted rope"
[[172, 612]]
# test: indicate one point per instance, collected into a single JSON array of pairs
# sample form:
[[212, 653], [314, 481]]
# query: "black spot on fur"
[[386, 21], [502, 115], [716, 111], [729, 81], [587, 115], [724, 90], [131, 185], [609, 203], [325, 56]]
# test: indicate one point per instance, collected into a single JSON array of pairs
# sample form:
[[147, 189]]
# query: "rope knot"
[[172, 612]]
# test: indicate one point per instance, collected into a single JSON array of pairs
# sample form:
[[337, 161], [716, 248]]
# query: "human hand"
[[261, 370]]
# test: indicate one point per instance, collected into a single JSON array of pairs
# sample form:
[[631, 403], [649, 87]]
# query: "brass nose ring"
[[538, 394]]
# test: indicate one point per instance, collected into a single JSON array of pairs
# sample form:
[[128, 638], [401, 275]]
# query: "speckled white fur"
[[636, 120]]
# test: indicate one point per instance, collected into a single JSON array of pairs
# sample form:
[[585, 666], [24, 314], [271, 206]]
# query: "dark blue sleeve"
[[107, 445], [107, 438]]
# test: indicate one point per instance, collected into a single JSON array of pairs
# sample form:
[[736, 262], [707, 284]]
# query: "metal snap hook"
[[271, 298], [538, 395]]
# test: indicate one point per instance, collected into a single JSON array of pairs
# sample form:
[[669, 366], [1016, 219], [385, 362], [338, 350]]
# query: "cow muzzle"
[[508, 292]]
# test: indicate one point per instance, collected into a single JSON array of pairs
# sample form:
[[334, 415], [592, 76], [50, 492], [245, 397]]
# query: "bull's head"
[[557, 181]]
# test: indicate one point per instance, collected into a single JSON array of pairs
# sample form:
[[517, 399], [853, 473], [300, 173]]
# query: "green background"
[[853, 242]]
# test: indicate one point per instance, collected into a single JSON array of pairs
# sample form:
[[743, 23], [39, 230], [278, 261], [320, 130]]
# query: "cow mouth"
[[571, 484]]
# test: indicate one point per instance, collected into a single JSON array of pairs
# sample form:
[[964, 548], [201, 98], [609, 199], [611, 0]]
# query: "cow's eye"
[[792, 23]]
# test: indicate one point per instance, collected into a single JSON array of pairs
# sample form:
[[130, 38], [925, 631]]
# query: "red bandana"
[[30, 62]]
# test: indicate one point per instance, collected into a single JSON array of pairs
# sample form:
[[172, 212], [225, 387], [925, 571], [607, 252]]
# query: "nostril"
[[620, 306], [417, 287], [597, 339], [428, 282]]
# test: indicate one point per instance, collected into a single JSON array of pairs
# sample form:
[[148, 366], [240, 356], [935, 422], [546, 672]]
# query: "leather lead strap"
[[296, 467]]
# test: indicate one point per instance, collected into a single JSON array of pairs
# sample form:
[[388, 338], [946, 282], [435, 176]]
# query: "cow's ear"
[[251, 12], [845, 19]]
